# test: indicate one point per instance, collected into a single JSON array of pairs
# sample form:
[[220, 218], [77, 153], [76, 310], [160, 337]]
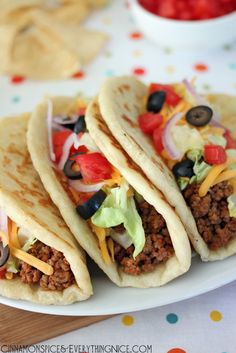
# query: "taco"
[[119, 218], [40, 260], [176, 135]]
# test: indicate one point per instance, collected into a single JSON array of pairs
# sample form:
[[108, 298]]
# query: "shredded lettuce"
[[186, 138], [195, 154], [232, 205], [12, 265], [217, 140], [231, 153], [183, 182], [201, 170], [118, 209], [29, 243]]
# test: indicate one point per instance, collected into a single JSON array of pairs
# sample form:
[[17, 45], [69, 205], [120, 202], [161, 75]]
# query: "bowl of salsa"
[[186, 24]]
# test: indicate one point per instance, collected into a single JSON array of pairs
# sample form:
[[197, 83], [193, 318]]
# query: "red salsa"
[[189, 10]]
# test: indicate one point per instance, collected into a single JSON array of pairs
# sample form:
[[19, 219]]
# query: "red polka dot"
[[176, 350], [139, 71], [79, 75], [200, 67], [15, 80], [135, 35]]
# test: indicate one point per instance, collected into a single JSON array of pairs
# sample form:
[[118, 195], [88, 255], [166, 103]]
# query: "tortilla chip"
[[226, 106], [48, 58], [82, 42]]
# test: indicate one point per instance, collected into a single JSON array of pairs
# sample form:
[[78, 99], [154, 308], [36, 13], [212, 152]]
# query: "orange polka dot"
[[135, 35], [200, 67], [215, 315], [79, 75], [176, 350], [127, 320]]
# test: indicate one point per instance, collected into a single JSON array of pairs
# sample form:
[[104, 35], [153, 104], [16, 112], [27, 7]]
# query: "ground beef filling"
[[211, 214], [61, 278], [158, 247]]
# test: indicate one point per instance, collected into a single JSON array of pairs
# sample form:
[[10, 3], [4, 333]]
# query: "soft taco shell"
[[38, 147], [121, 100], [26, 202]]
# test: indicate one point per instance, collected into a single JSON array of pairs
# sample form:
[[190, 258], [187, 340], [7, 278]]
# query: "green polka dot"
[[15, 99], [232, 66], [227, 47], [172, 318], [109, 73]]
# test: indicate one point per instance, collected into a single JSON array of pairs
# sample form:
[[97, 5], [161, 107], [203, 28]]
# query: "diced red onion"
[[122, 238], [49, 126], [58, 127], [3, 222], [63, 120], [71, 140], [167, 139], [78, 185]]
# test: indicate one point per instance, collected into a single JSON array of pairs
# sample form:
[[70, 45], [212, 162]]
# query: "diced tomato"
[[189, 9], [157, 139], [94, 167], [2, 273], [172, 98], [81, 149], [148, 122], [59, 138], [231, 143], [214, 154]]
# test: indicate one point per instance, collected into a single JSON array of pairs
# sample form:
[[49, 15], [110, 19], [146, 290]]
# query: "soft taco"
[[179, 142], [40, 260], [116, 214]]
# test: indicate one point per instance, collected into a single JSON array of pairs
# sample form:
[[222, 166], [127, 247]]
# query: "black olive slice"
[[4, 254], [199, 116], [80, 125], [87, 209], [156, 101], [184, 169], [68, 169], [70, 172]]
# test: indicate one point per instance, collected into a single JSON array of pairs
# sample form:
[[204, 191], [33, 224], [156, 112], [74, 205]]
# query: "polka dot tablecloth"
[[204, 324]]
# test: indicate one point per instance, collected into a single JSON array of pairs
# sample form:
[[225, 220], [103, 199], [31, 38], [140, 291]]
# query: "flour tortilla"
[[120, 102], [38, 147], [26, 202]]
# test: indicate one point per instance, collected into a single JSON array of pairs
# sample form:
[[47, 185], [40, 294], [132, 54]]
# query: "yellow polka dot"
[[170, 69], [106, 20], [137, 53], [215, 315], [127, 320]]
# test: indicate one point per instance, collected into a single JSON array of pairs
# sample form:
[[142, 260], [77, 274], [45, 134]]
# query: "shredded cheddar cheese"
[[4, 238], [110, 244], [9, 275], [101, 235], [233, 183], [227, 175], [33, 261], [211, 178], [116, 179], [13, 236]]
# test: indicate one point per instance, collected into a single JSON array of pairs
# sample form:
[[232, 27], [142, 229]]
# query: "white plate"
[[110, 299]]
